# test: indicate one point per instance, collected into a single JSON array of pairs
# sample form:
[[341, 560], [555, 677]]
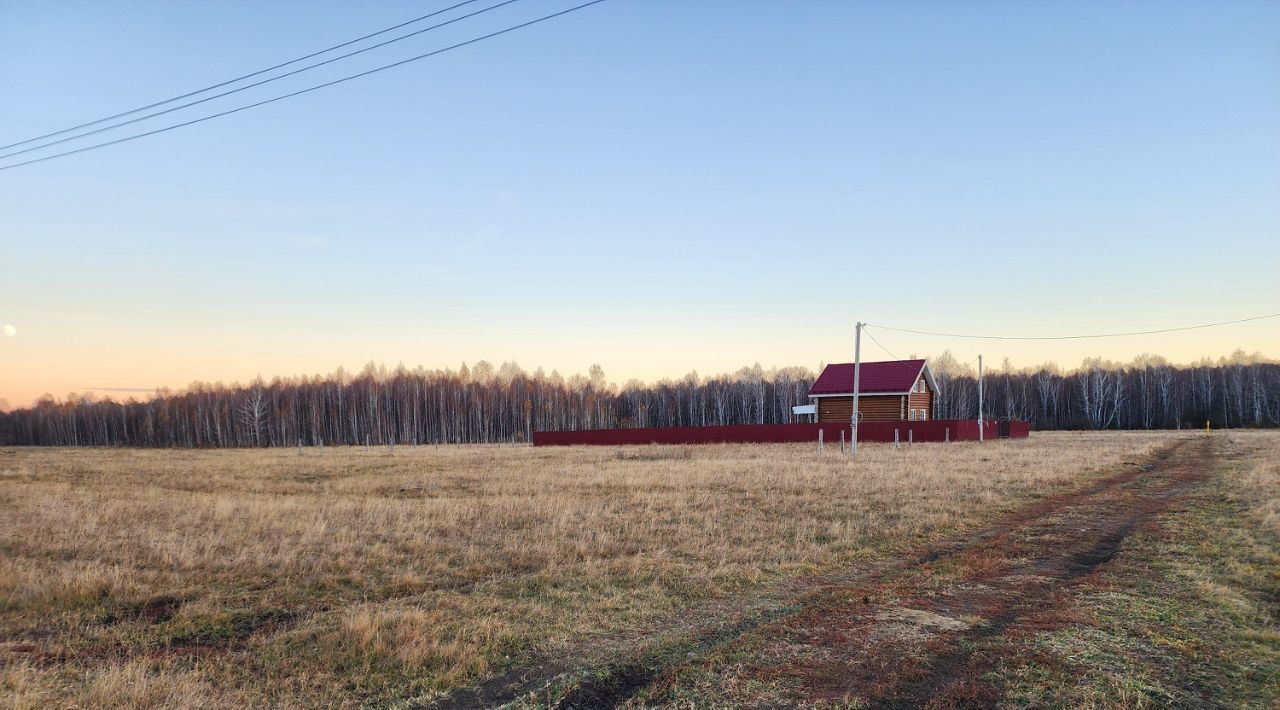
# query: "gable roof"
[[888, 377]]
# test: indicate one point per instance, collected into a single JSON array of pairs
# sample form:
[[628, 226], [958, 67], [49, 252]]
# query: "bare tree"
[[254, 414], [1100, 393]]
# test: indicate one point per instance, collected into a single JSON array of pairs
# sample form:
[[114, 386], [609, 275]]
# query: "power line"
[[246, 87], [317, 87], [877, 342], [250, 75], [1079, 337]]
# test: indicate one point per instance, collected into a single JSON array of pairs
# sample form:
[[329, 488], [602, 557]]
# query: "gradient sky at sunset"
[[653, 185]]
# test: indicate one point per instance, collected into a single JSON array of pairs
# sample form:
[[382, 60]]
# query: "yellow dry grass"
[[189, 578], [1259, 482]]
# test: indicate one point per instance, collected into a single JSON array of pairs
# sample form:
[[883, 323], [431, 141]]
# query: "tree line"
[[1149, 393], [485, 404]]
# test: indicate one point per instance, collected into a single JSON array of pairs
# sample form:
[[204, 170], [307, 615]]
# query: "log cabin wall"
[[874, 408], [921, 400]]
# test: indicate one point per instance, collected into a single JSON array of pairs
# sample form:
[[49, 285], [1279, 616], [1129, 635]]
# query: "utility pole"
[[857, 376], [980, 427]]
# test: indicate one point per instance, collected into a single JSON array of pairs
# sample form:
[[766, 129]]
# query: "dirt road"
[[914, 638]]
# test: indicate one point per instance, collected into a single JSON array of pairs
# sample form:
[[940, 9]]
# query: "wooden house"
[[887, 391]]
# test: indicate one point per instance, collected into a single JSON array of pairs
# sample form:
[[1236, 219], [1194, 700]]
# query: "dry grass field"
[[383, 578]]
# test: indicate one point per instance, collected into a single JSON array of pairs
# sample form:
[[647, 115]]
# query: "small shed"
[[805, 412]]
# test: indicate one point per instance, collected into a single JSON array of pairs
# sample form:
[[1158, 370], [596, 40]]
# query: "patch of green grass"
[[223, 628]]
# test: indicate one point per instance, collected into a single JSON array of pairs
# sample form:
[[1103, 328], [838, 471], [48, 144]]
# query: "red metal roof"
[[875, 377]]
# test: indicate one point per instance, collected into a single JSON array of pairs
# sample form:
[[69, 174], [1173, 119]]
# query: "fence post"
[[842, 441], [819, 441], [320, 439], [895, 438], [910, 436], [948, 440]]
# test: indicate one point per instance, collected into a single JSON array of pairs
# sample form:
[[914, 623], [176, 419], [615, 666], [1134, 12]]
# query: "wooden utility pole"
[[980, 427], [857, 376]]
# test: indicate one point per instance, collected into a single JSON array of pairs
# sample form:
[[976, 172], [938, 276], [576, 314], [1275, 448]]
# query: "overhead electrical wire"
[[255, 84], [309, 89], [877, 342], [1075, 337], [250, 75]]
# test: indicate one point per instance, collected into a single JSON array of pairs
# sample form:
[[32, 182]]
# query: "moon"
[[9, 330]]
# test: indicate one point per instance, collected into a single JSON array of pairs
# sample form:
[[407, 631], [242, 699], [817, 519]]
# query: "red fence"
[[936, 430]]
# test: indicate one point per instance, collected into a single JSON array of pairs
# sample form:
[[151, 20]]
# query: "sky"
[[651, 185]]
